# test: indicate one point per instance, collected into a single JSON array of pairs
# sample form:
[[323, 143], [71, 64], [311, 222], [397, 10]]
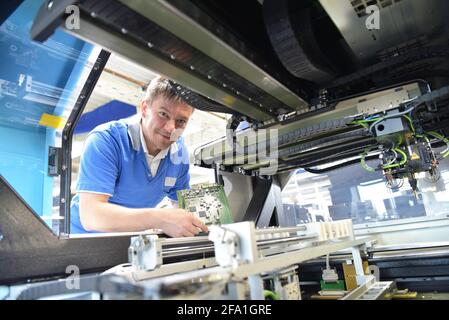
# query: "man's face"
[[163, 122]]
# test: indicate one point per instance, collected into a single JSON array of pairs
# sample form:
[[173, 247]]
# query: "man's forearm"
[[97, 214], [109, 217]]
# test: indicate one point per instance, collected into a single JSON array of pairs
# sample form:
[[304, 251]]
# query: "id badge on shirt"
[[170, 181]]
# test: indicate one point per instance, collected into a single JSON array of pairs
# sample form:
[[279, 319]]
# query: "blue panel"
[[35, 78], [22, 162], [113, 110]]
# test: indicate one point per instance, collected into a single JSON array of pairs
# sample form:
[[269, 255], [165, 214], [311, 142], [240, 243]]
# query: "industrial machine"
[[352, 94]]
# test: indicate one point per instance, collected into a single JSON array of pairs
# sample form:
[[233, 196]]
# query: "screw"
[[50, 5], [150, 45]]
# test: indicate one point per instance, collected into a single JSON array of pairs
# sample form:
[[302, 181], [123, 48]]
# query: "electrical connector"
[[330, 275]]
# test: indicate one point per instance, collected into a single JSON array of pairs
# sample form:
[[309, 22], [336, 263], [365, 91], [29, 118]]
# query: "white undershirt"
[[152, 161]]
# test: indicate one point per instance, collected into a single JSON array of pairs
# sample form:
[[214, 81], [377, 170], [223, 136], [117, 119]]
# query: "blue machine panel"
[[36, 80]]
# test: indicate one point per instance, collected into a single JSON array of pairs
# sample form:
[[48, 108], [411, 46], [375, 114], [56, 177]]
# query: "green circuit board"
[[208, 202]]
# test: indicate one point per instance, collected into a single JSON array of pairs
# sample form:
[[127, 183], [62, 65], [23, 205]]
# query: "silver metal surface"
[[176, 252], [403, 224], [120, 44], [145, 252], [214, 152], [189, 241], [164, 270], [256, 287], [399, 22], [261, 245], [286, 259], [413, 254], [264, 243], [371, 290], [184, 240], [357, 261], [104, 235], [271, 246], [281, 229], [182, 26], [417, 245], [242, 263]]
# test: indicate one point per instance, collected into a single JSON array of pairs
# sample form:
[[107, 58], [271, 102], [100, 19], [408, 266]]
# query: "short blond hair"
[[164, 87]]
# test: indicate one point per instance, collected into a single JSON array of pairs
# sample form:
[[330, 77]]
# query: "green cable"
[[364, 122], [367, 120], [270, 294], [370, 169], [423, 136], [403, 161], [360, 124], [364, 164], [437, 135], [441, 137], [410, 121]]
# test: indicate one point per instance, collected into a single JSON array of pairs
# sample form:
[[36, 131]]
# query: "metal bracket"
[[371, 289], [145, 252], [54, 161], [226, 246], [50, 16], [358, 264], [266, 198], [234, 243]]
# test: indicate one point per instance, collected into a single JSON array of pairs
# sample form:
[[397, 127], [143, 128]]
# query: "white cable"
[[394, 159]]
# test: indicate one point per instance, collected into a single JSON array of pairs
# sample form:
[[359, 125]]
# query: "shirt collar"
[[161, 153], [136, 135]]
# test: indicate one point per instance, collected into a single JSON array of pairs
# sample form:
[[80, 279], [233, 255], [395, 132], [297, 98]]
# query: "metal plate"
[[400, 22]]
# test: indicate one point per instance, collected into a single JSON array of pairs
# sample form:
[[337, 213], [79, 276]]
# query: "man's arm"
[[96, 213]]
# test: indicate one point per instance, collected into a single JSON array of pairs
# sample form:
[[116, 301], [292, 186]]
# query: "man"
[[129, 166]]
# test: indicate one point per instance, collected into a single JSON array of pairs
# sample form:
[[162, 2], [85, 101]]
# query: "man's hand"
[[97, 214], [180, 223]]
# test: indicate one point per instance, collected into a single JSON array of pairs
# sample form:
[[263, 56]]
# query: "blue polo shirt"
[[114, 163]]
